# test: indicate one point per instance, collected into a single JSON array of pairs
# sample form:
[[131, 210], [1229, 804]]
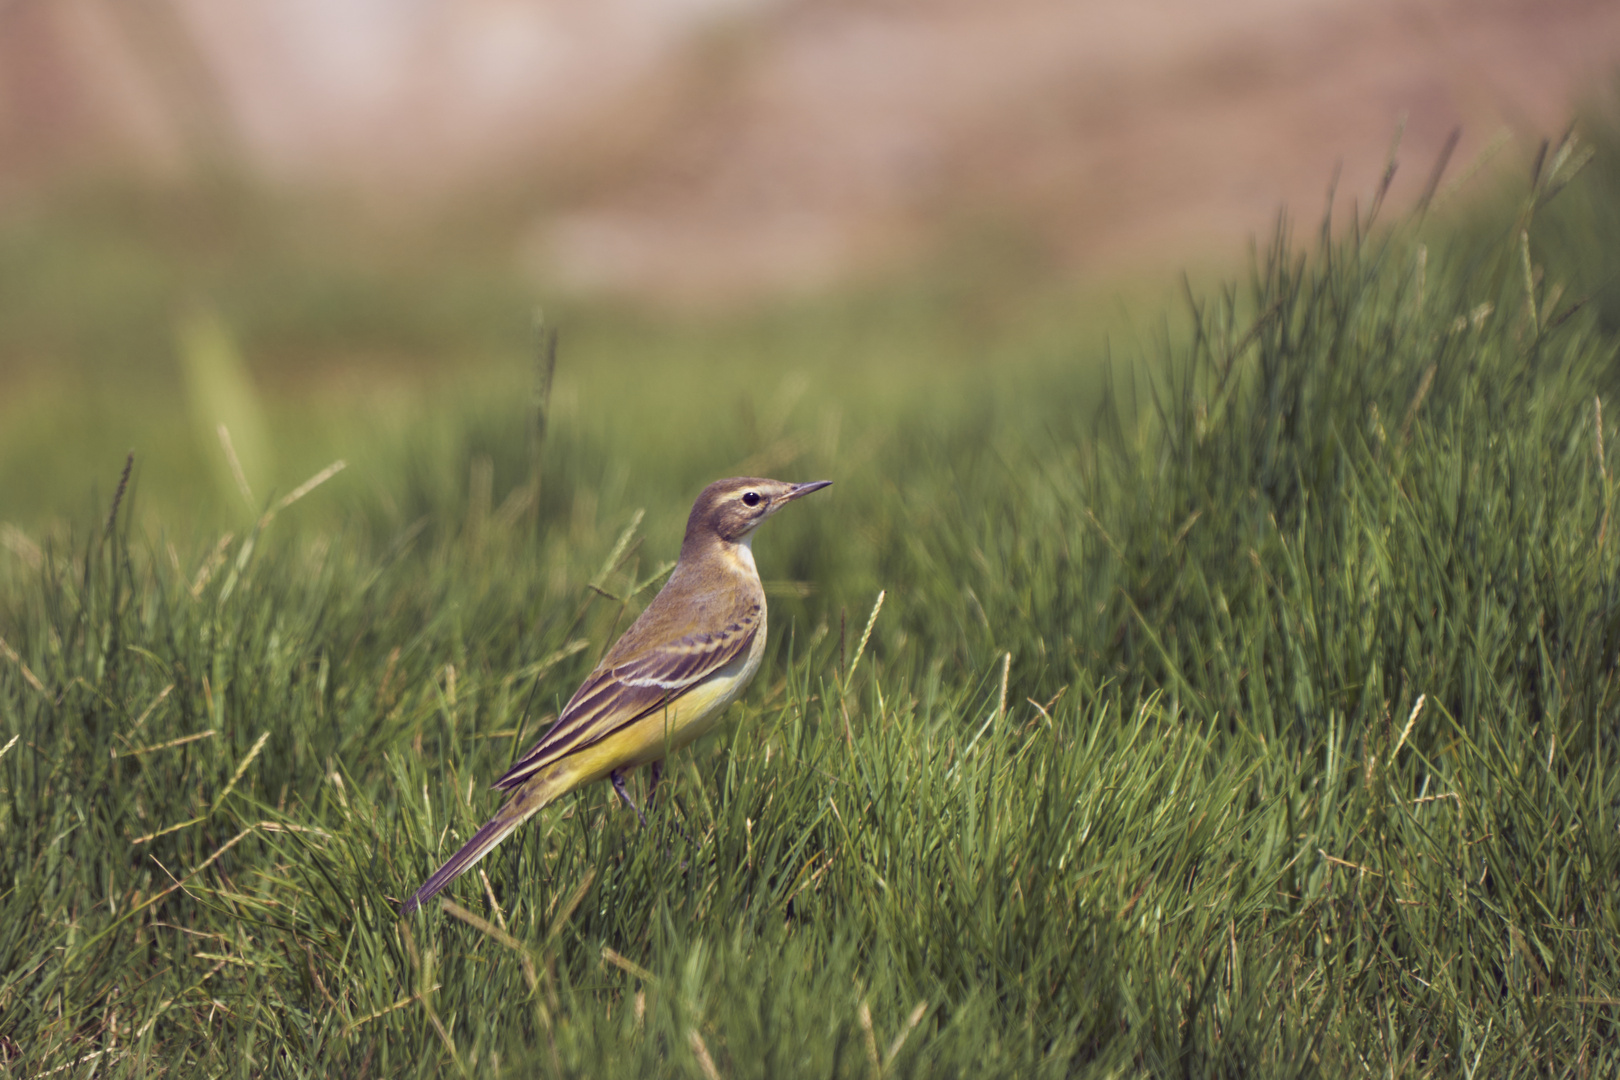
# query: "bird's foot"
[[617, 777]]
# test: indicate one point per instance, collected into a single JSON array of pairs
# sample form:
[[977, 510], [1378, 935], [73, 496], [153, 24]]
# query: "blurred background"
[[329, 226]]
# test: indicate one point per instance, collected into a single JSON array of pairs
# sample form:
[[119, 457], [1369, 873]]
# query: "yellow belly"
[[684, 720]]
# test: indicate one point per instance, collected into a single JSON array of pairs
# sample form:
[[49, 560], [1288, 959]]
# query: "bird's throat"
[[743, 552]]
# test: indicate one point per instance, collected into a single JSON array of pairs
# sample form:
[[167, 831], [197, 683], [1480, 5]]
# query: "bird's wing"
[[618, 694]]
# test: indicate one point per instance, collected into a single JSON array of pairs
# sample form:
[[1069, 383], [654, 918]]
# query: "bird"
[[666, 681]]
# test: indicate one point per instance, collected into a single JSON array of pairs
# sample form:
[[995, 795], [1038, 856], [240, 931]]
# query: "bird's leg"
[[652, 781], [652, 786], [617, 776], [656, 773]]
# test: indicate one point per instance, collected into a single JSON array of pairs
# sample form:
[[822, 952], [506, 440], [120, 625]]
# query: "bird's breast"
[[704, 703]]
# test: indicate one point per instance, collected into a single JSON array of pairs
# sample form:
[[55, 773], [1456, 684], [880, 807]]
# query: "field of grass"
[[1244, 711]]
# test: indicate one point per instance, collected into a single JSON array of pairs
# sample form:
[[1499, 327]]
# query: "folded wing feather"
[[625, 692]]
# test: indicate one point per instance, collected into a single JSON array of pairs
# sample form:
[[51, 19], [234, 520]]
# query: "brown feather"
[[650, 667]]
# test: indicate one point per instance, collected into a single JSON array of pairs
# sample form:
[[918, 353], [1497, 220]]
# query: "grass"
[[1249, 713]]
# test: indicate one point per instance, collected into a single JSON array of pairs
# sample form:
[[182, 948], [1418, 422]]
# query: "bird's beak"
[[805, 489]]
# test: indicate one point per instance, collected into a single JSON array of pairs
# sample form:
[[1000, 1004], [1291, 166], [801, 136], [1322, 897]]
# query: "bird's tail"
[[529, 800]]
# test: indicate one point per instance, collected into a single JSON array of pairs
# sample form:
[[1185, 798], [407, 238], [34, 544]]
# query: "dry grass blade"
[[171, 744], [403, 1003], [1529, 282], [918, 1011], [700, 1050], [1603, 466], [199, 868], [1001, 698], [241, 770], [540, 667], [1422, 392], [235, 463], [18, 543], [866, 635], [865, 1014], [489, 894], [211, 565], [146, 712], [149, 837], [28, 676], [630, 967], [311, 484], [483, 926], [1411, 721], [570, 905]]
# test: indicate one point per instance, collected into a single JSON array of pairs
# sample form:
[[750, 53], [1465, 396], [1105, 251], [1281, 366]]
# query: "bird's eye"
[[751, 498]]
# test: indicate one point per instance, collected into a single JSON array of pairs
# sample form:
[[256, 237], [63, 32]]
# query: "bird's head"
[[732, 509]]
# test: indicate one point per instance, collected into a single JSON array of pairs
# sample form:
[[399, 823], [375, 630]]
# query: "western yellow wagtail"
[[667, 680]]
